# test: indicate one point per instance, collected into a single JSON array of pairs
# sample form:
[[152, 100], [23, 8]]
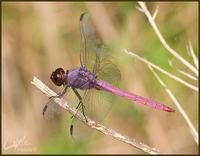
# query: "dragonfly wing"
[[89, 46], [51, 110], [98, 103], [94, 56], [97, 106], [109, 72]]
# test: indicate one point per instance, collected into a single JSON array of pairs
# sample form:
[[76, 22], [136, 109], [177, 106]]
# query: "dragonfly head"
[[58, 77]]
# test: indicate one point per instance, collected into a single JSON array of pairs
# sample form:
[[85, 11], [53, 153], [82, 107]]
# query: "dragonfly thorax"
[[81, 78]]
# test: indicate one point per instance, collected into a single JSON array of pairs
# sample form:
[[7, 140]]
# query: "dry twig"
[[181, 110], [194, 69], [151, 19], [161, 70]]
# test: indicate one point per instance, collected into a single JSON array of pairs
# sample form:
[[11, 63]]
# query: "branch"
[[188, 75], [195, 59], [163, 71], [91, 123], [162, 40]]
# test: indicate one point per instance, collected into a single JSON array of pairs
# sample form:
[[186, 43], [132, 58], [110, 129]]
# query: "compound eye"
[[58, 77]]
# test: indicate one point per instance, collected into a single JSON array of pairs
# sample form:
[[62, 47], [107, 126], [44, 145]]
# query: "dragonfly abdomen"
[[102, 85]]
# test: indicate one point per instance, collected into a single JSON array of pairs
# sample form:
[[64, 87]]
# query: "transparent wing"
[[90, 46], [51, 110], [109, 72], [98, 103], [94, 56]]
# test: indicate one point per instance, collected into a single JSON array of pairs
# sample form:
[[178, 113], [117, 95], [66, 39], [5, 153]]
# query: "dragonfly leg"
[[61, 93], [83, 110], [82, 105], [72, 117], [77, 107]]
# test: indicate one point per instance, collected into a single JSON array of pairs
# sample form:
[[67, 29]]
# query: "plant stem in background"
[[163, 71], [181, 110], [162, 40]]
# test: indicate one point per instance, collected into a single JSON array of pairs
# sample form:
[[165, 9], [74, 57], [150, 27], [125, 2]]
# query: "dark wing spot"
[[82, 15]]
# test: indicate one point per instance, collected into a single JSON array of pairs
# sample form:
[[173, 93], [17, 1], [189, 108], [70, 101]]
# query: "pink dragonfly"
[[95, 66]]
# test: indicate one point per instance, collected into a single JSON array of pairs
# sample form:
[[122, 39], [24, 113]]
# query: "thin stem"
[[188, 75], [193, 55], [155, 12], [181, 110], [91, 123], [163, 71], [162, 40]]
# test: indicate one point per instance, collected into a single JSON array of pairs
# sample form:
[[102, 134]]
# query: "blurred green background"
[[38, 37]]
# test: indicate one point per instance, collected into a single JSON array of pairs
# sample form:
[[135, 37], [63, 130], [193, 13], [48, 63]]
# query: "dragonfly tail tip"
[[168, 109]]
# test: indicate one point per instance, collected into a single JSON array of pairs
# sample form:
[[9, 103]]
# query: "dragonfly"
[[94, 65]]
